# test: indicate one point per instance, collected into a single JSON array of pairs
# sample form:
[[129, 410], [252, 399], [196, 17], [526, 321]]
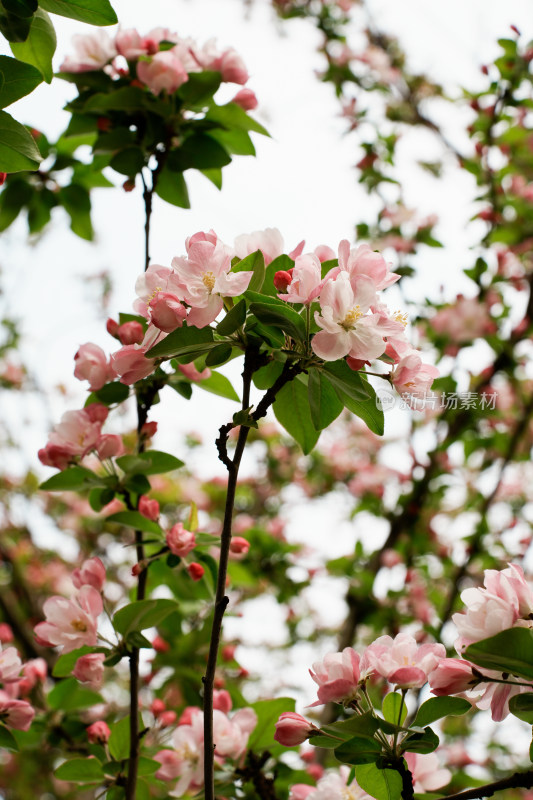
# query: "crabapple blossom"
[[148, 507], [167, 312], [180, 541], [196, 571], [130, 332], [222, 700], [337, 676], [89, 669], [190, 372], [246, 99], [292, 729], [362, 260], [131, 44], [91, 573], [346, 329], [164, 72], [17, 714], [486, 615], [306, 280], [186, 760], [10, 665], [411, 376], [71, 623], [269, 241], [239, 545], [428, 775], [402, 661], [451, 676], [99, 732], [76, 435], [92, 52], [110, 445], [131, 365], [92, 365]]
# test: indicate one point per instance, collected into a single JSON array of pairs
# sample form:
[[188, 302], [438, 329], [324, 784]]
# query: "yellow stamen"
[[209, 280], [78, 625], [351, 317], [154, 293], [400, 317]]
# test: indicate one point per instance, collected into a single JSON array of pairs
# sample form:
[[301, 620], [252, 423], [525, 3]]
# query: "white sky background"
[[302, 182]]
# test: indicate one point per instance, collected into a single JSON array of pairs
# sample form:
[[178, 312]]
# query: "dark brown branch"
[[519, 780]]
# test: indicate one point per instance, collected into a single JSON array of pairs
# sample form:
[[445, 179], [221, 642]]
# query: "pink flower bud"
[[157, 707], [356, 363], [138, 568], [166, 312], [159, 645], [188, 714], [97, 412], [451, 675], [228, 652], [130, 332], [98, 732], [112, 327], [239, 545], [110, 445], [149, 429], [91, 573], [6, 634], [180, 541], [283, 279], [3, 176], [246, 99], [222, 700], [149, 508], [292, 729], [89, 669], [167, 718], [91, 365], [196, 571]]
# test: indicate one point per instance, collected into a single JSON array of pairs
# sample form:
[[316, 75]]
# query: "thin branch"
[[519, 780]]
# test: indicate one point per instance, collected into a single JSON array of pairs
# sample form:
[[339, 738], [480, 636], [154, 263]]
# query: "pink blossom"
[[110, 445], [464, 321], [92, 52], [99, 732], [402, 662], [10, 665], [222, 700], [190, 372], [246, 99], [34, 671], [324, 253], [301, 791], [17, 714], [486, 615], [91, 573], [96, 412], [131, 365], [89, 669], [156, 280], [148, 507], [345, 328], [186, 761], [76, 435], [306, 280], [364, 261], [206, 277], [231, 735], [239, 545], [510, 584], [167, 312], [269, 241], [130, 44], [229, 63], [180, 541], [92, 366], [6, 633], [130, 332], [334, 786], [451, 676], [428, 775], [292, 729], [411, 376], [337, 676], [71, 623], [164, 72]]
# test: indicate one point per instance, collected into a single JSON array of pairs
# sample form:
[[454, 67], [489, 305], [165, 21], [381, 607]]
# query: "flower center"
[[398, 316], [351, 317], [209, 281], [154, 294], [78, 625]]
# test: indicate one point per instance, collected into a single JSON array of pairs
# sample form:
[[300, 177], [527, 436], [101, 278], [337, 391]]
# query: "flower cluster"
[[17, 680], [161, 60], [80, 433], [186, 761]]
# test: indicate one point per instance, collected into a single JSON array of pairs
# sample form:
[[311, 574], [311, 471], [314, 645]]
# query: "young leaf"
[[18, 150], [17, 79], [7, 740], [367, 410], [171, 187], [220, 385], [184, 340], [423, 743], [68, 695], [81, 770], [291, 408], [66, 662], [437, 707], [72, 479], [383, 784], [119, 741], [233, 319], [151, 462], [282, 317], [392, 703], [135, 520], [143, 614], [95, 12], [76, 201], [254, 262], [324, 404], [40, 46], [509, 651], [521, 705], [358, 751]]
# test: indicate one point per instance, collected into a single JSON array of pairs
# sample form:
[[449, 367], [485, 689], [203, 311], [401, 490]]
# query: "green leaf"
[[265, 377], [233, 116], [7, 740], [22, 8], [437, 707], [151, 462], [200, 87], [268, 712], [509, 651], [129, 161], [347, 380], [66, 662], [367, 410], [233, 319], [220, 385], [13, 27], [171, 186], [392, 703], [18, 150], [521, 705], [119, 741], [135, 520], [282, 317], [198, 151], [143, 614], [182, 341], [423, 743], [383, 784], [219, 355], [254, 262], [323, 401], [291, 408], [40, 46], [17, 79], [68, 695], [358, 751], [76, 201], [109, 394], [17, 193], [81, 770], [95, 12], [98, 498], [72, 479], [237, 142]]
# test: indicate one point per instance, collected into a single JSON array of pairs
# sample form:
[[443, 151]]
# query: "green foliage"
[[95, 12], [358, 750], [281, 316], [7, 740], [521, 705], [324, 404], [383, 784], [424, 742], [133, 519], [18, 150], [143, 614], [392, 704], [80, 770], [510, 651], [437, 707], [220, 385], [68, 695], [39, 48], [185, 343], [268, 713], [233, 320], [292, 410], [72, 479], [17, 79], [151, 462]]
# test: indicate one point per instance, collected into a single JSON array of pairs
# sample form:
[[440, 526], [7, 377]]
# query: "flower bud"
[[157, 707], [167, 718], [98, 732], [112, 327], [148, 508], [283, 279], [180, 541], [91, 573], [239, 545], [292, 729], [130, 332], [196, 571], [222, 700]]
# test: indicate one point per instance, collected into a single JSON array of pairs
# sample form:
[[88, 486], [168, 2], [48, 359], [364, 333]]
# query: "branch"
[[519, 780]]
